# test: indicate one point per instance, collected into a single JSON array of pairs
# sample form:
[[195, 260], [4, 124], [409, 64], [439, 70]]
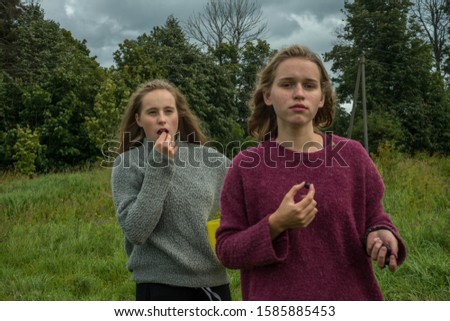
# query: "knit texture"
[[326, 260], [162, 207]]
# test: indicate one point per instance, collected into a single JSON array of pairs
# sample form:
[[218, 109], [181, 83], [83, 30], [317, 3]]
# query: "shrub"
[[26, 150]]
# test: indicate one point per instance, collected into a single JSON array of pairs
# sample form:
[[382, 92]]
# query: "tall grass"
[[60, 240], [417, 197]]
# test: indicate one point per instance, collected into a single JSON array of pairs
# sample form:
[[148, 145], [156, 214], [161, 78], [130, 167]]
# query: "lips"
[[162, 130], [298, 107]]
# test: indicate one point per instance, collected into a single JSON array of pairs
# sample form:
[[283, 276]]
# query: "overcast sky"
[[106, 23]]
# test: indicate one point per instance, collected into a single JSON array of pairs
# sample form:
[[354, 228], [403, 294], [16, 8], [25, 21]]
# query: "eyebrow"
[[303, 80], [154, 107]]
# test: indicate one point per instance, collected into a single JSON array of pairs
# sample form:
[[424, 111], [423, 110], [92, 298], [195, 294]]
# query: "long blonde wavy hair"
[[263, 120], [131, 135]]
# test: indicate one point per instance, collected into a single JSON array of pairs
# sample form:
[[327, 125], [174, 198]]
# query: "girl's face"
[[296, 93], [158, 113]]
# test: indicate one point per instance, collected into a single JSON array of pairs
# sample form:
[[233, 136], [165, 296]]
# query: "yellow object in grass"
[[212, 226]]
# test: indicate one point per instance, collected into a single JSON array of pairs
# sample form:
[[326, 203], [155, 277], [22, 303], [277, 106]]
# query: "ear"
[[138, 119], [267, 99], [322, 101]]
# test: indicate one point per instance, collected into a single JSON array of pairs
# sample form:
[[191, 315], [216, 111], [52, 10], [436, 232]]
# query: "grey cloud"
[[106, 23], [320, 8]]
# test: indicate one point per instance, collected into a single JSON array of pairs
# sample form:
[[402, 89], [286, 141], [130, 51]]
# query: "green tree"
[[166, 53], [7, 138], [254, 55], [26, 150], [341, 122], [398, 68], [101, 127], [383, 128], [51, 89], [10, 11], [231, 32]]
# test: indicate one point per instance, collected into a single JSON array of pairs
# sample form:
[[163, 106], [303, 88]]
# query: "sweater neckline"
[[327, 142]]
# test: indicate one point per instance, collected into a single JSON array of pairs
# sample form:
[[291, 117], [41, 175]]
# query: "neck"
[[300, 139]]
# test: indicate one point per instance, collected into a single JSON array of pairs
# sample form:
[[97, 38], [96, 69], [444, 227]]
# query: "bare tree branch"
[[228, 21], [435, 20]]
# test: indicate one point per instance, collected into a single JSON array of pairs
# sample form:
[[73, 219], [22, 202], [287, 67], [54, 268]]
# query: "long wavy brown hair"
[[131, 135], [263, 121]]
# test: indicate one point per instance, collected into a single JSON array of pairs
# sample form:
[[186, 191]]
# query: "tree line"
[[59, 108]]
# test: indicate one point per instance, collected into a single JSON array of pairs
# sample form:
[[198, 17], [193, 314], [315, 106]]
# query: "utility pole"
[[355, 99], [363, 96], [360, 79]]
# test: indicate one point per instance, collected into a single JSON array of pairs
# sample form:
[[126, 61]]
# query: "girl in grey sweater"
[[164, 191]]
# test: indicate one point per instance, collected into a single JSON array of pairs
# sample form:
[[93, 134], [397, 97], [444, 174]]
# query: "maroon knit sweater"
[[326, 260]]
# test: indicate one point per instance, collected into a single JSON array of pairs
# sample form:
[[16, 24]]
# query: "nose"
[[162, 118], [298, 91]]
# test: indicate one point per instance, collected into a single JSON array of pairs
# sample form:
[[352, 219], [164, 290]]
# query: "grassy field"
[[59, 239]]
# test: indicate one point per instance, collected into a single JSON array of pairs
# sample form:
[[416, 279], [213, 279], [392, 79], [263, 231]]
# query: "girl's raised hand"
[[165, 145], [291, 214]]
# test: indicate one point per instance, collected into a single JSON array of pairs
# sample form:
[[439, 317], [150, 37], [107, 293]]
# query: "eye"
[[287, 84], [310, 85], [152, 112]]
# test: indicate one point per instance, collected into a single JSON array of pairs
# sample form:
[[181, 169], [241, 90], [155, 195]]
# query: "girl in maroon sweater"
[[302, 214]]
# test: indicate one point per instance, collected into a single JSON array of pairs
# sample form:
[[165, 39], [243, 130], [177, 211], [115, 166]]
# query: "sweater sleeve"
[[240, 244], [221, 172], [376, 217], [138, 200]]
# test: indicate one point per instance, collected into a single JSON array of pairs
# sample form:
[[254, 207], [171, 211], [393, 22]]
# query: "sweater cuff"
[[158, 160], [373, 229], [280, 245]]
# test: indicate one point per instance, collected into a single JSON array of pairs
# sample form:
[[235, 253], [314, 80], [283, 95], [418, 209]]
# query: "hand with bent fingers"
[[165, 145], [291, 214], [379, 243]]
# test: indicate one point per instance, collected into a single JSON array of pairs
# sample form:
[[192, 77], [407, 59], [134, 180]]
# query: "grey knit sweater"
[[162, 206]]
